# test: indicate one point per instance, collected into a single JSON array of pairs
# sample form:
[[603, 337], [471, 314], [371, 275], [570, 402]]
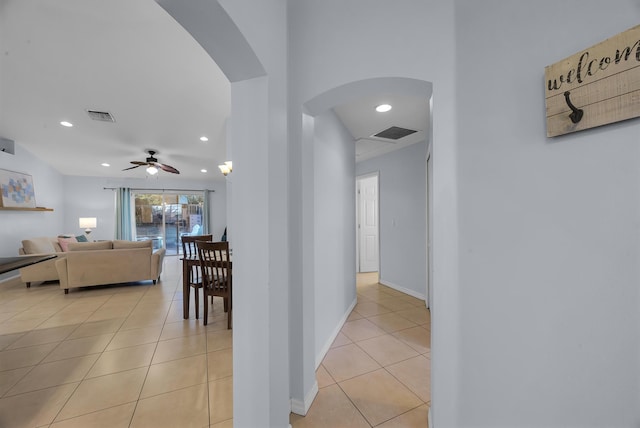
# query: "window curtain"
[[205, 212], [124, 228]]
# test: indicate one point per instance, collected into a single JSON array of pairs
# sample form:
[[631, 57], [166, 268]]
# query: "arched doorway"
[[312, 296]]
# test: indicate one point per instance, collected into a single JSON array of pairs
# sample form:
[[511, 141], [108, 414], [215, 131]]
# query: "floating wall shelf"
[[25, 209]]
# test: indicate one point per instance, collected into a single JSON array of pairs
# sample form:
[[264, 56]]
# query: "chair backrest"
[[215, 266], [189, 249]]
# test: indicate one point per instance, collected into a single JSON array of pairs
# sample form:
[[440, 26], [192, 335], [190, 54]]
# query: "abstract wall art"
[[17, 190]]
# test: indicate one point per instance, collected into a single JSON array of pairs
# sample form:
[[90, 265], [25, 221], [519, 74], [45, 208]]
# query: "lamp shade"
[[88, 222], [226, 167]]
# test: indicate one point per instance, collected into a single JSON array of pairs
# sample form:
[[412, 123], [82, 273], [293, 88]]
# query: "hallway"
[[377, 372]]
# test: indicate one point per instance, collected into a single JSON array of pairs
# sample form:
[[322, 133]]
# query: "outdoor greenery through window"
[[165, 217]]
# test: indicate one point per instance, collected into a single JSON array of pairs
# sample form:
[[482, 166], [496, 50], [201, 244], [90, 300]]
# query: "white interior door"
[[368, 240]]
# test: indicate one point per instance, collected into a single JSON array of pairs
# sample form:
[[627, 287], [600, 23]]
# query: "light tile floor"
[[122, 356], [377, 372], [119, 356]]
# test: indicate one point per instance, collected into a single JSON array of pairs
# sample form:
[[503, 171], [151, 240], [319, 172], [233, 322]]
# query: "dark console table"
[[8, 264]]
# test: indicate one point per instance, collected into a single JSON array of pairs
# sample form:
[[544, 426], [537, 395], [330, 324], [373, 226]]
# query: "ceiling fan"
[[152, 164]]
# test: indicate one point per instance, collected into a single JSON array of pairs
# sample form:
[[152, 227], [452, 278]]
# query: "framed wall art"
[[16, 190]]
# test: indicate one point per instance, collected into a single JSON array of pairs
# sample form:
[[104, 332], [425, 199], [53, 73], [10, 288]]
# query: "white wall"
[[49, 190], [549, 244], [334, 184], [87, 197], [540, 303], [72, 197], [335, 43], [402, 205]]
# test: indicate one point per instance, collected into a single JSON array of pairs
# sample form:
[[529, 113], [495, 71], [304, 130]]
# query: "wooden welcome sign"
[[595, 87]]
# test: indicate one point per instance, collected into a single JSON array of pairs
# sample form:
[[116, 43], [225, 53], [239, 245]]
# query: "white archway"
[[303, 354]]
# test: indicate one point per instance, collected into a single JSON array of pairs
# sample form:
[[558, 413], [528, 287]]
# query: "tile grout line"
[[354, 404], [69, 302], [85, 376], [403, 413], [95, 362], [381, 366], [155, 349], [45, 357]]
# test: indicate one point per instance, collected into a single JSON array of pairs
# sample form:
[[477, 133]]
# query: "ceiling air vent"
[[394, 133], [103, 116]]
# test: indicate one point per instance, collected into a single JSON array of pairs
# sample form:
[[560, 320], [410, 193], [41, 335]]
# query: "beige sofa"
[[45, 271], [88, 264]]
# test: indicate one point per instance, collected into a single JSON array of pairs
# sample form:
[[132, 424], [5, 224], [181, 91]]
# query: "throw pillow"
[[64, 243], [81, 238]]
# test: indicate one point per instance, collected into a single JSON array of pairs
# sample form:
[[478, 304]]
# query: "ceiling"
[[363, 122], [60, 58]]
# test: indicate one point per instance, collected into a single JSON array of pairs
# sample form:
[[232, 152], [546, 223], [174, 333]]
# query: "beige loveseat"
[[88, 264], [45, 271]]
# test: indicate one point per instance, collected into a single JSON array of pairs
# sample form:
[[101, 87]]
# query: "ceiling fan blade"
[[138, 163], [126, 169], [167, 168]]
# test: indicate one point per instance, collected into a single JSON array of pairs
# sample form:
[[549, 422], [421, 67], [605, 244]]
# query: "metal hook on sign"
[[576, 113]]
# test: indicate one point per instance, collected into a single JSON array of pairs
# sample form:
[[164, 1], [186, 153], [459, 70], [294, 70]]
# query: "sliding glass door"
[[165, 217]]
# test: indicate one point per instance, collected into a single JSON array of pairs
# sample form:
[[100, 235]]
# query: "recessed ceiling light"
[[105, 164], [203, 170], [382, 108], [203, 138], [67, 124]]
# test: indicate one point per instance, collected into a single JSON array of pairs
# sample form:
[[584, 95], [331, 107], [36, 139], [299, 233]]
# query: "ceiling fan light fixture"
[[152, 164]]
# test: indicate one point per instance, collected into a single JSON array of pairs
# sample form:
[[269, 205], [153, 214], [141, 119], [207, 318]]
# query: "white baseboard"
[[300, 408], [327, 345], [403, 290]]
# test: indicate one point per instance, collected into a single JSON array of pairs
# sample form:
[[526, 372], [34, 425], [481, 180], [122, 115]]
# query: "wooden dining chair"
[[216, 274], [190, 255]]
